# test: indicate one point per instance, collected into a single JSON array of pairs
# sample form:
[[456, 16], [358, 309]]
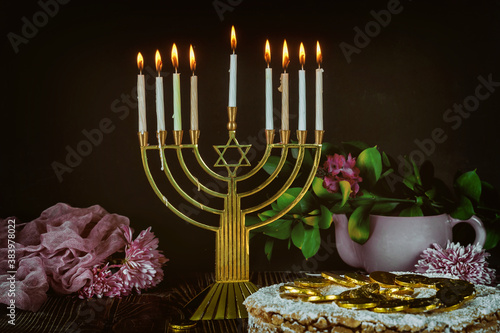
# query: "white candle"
[[176, 86], [232, 71], [269, 89], [284, 90], [141, 94], [319, 89], [194, 91], [284, 102], [302, 90], [160, 107]]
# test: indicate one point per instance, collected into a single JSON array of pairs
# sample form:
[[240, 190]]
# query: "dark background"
[[80, 68]]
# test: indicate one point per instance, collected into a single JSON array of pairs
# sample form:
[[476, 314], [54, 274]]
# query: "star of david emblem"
[[232, 143]]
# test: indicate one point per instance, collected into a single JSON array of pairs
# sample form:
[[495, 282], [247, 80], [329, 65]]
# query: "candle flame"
[[233, 38], [192, 60], [175, 60], [302, 55], [319, 56], [286, 58], [158, 62], [267, 54], [140, 62]]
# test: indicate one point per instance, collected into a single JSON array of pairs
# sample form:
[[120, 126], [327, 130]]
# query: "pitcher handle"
[[478, 226]]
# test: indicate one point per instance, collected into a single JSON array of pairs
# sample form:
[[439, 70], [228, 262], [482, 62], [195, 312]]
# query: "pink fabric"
[[64, 243]]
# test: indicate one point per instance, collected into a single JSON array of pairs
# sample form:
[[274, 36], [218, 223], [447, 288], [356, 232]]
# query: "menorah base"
[[224, 300]]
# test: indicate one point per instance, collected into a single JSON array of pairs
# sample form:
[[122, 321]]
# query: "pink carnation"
[[142, 264], [140, 269], [467, 263], [103, 283], [337, 169]]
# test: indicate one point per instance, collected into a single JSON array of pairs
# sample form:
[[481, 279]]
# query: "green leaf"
[[315, 212], [312, 242], [251, 220], [279, 229], [413, 210], [267, 214], [359, 224], [298, 233], [312, 221], [385, 159], [416, 172], [492, 238], [302, 207], [337, 209], [410, 181], [268, 248], [326, 218], [345, 189], [383, 208], [464, 210], [272, 163], [469, 185], [322, 192], [369, 163]]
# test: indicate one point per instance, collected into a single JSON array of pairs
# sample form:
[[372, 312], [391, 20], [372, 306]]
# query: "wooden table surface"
[[150, 312]]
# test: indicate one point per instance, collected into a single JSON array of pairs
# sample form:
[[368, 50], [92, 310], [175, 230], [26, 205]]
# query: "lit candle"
[[160, 108], [269, 89], [232, 70], [194, 90], [177, 91], [284, 90], [302, 89], [141, 94], [319, 89]]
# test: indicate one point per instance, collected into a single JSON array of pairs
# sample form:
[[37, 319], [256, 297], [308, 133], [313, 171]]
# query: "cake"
[[272, 310]]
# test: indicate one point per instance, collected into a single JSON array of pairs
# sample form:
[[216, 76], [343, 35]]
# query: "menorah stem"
[[232, 241]]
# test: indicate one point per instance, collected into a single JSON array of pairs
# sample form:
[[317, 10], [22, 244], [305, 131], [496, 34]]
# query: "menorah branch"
[[160, 195], [195, 180], [288, 183], [181, 192], [301, 194]]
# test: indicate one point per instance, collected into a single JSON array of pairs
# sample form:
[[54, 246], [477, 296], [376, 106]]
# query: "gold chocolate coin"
[[293, 296], [449, 308], [357, 278], [385, 279], [313, 282], [419, 305], [470, 297], [357, 303], [398, 291], [391, 306], [335, 278], [412, 280], [292, 289], [321, 299]]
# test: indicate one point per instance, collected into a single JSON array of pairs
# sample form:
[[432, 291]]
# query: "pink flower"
[[140, 269], [104, 283], [337, 169], [467, 263], [142, 266]]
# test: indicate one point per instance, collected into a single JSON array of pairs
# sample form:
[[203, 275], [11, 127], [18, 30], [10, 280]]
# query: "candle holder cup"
[[224, 298]]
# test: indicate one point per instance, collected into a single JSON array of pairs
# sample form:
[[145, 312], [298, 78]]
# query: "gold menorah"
[[225, 297]]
